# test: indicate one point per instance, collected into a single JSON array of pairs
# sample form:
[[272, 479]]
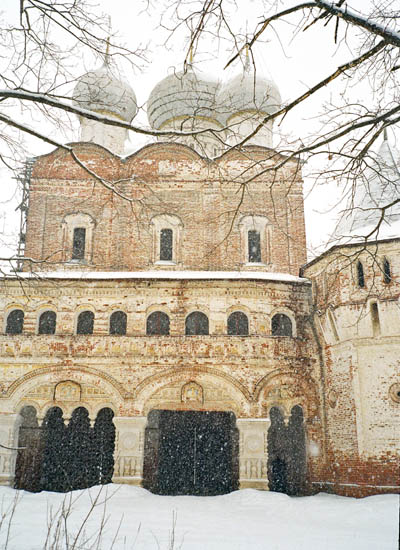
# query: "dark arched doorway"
[[287, 463], [277, 452], [297, 459], [104, 445], [55, 448], [191, 453], [29, 458]]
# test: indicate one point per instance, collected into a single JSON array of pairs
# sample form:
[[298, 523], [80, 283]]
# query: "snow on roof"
[[175, 275]]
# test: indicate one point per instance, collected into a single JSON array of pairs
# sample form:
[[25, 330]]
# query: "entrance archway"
[[191, 453]]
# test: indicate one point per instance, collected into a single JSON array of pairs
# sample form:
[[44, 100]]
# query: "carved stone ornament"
[[67, 391], [192, 393], [394, 392]]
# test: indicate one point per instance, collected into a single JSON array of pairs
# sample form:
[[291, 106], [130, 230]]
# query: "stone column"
[[129, 448], [9, 428], [253, 453]]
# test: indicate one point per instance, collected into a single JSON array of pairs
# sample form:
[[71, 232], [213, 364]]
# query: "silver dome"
[[100, 90], [378, 187], [247, 92], [182, 94]]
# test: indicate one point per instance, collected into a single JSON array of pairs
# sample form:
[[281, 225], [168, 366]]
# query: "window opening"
[[78, 245], [85, 323], [238, 324], [47, 323], [254, 242], [166, 244], [376, 325], [333, 326], [157, 324], [387, 275], [281, 325], [360, 275], [196, 324], [15, 322], [118, 323]]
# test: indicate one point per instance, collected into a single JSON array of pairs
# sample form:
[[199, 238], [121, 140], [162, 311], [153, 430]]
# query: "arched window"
[[15, 322], [85, 323], [281, 325], [78, 243], [387, 274], [360, 275], [47, 323], [254, 246], [77, 238], [157, 324], [118, 323], [196, 323], [376, 325], [238, 324], [166, 239], [255, 237]]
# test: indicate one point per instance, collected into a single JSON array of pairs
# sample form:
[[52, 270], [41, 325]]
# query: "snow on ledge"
[[188, 275]]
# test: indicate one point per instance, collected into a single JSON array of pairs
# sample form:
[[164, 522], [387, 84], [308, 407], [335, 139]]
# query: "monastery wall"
[[358, 328]]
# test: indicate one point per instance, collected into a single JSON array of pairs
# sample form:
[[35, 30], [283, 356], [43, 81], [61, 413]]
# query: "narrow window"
[[166, 245], [78, 245], [85, 323], [238, 324], [360, 275], [196, 324], [376, 325], [254, 243], [157, 324], [47, 323], [387, 275], [281, 325], [118, 323], [15, 322], [333, 326]]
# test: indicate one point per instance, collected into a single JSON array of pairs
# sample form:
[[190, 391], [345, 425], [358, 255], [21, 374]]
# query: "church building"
[[166, 329]]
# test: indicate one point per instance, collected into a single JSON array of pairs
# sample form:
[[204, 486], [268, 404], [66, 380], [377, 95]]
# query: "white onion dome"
[[375, 190], [101, 91], [181, 95], [249, 92]]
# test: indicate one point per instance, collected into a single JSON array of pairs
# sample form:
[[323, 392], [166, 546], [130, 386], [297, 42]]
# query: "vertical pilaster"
[[253, 453], [129, 449], [9, 427]]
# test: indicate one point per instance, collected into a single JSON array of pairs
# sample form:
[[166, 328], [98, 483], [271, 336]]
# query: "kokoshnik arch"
[[169, 340]]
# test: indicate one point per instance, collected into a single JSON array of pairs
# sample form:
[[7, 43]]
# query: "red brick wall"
[[165, 178]]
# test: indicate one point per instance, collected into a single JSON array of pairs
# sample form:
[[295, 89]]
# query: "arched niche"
[[48, 386], [166, 391]]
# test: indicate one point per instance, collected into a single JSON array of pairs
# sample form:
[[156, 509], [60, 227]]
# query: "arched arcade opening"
[[57, 456], [287, 461]]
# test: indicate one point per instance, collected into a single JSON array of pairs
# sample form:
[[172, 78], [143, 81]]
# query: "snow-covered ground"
[[133, 518]]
